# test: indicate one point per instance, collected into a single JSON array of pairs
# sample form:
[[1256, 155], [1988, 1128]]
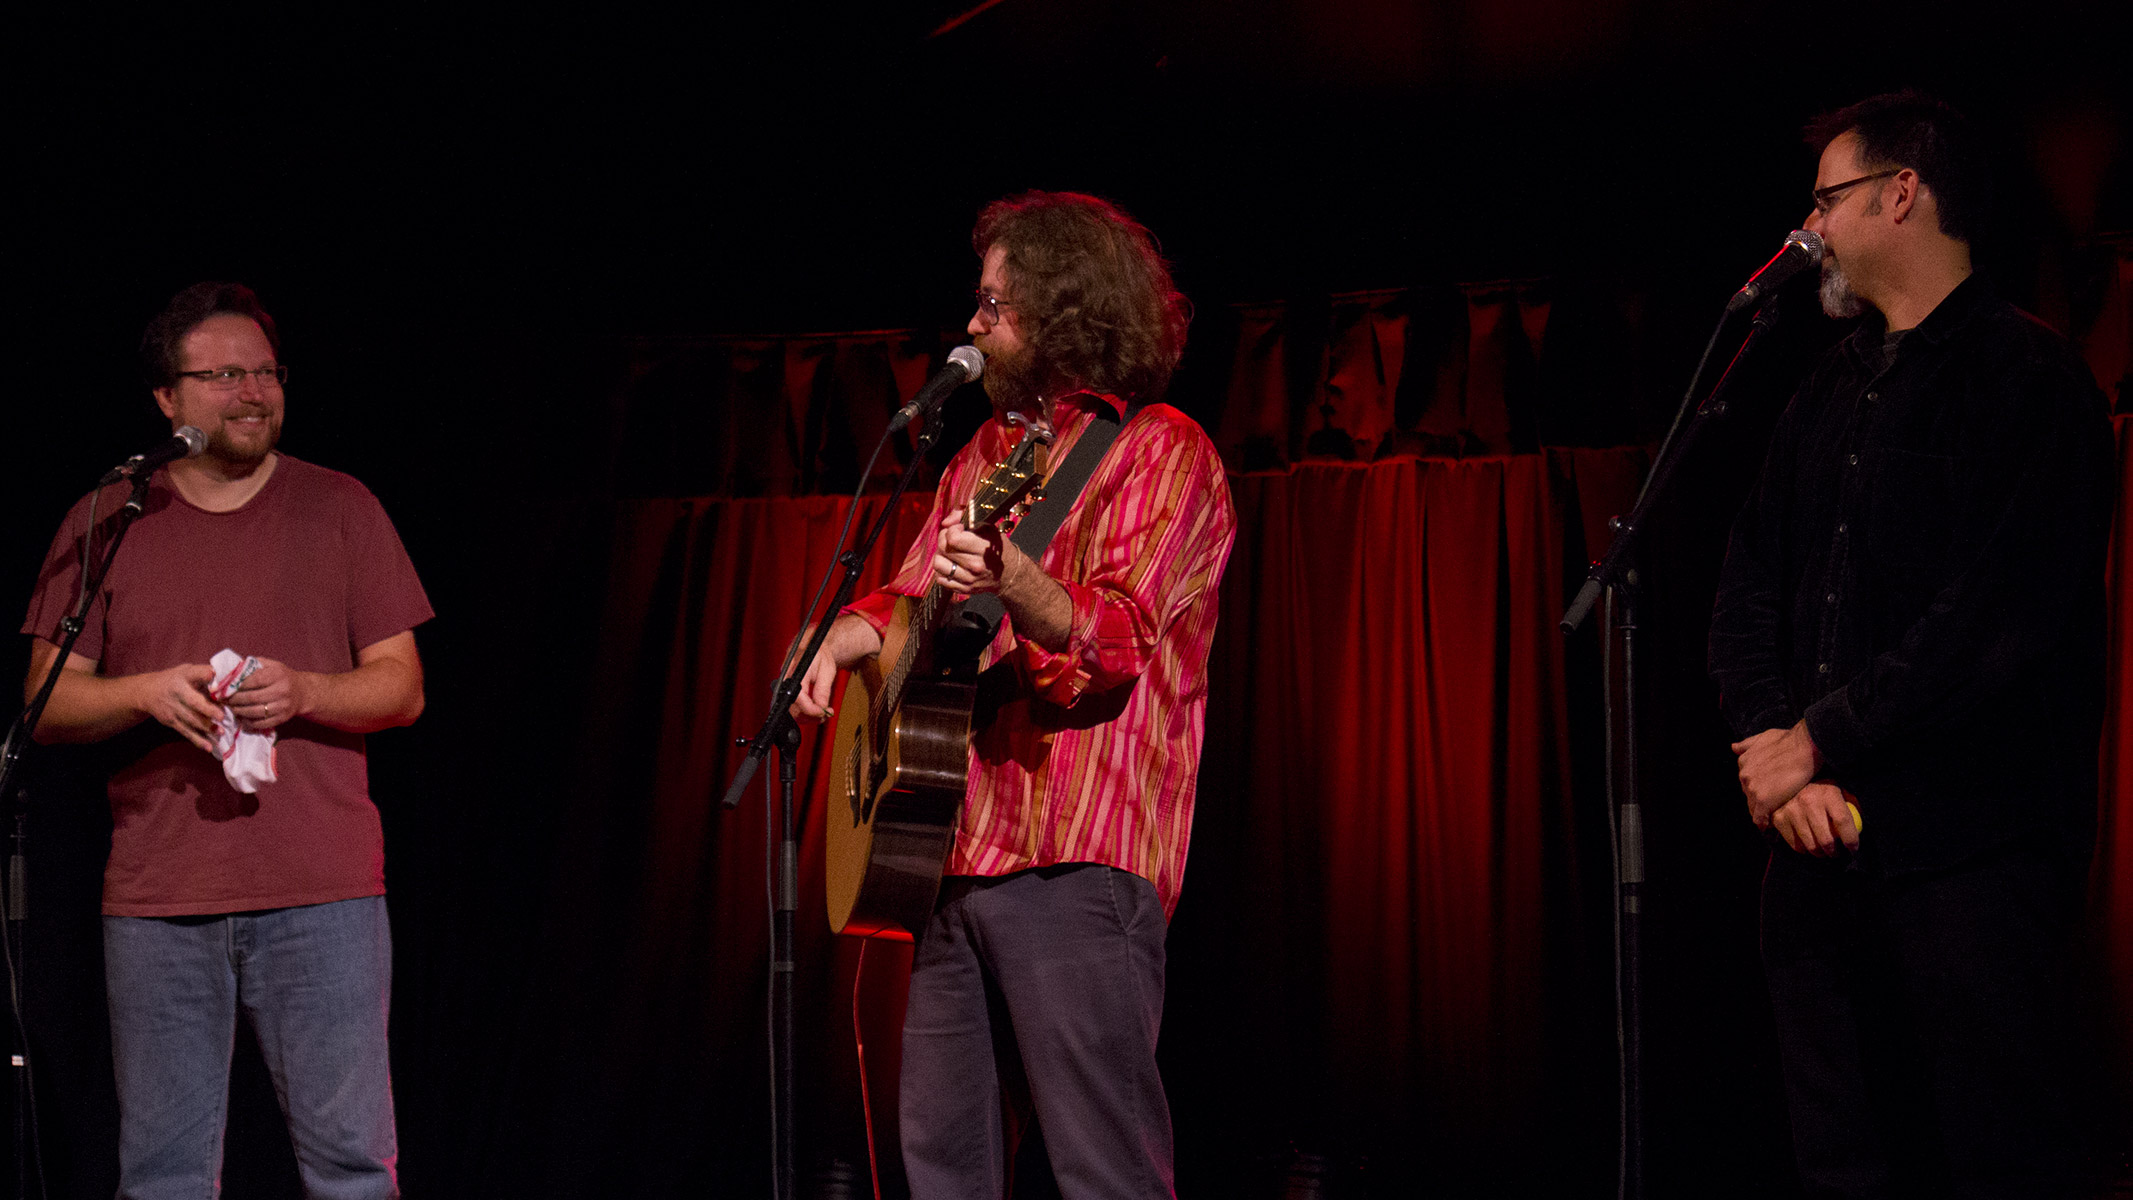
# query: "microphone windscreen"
[[195, 441], [971, 359]]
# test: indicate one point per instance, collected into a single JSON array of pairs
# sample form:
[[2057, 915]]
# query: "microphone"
[[965, 363], [185, 443], [1802, 250]]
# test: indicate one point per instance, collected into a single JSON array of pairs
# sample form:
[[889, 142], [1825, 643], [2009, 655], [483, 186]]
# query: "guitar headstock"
[[1012, 481]]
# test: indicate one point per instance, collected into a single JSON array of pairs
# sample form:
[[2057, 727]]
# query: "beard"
[[1011, 381], [1838, 298], [250, 449]]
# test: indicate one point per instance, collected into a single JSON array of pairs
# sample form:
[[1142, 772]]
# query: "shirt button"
[[1824, 668], [1852, 461], [1830, 598], [1873, 396], [1840, 527]]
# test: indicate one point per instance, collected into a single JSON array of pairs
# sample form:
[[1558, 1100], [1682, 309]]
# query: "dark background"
[[456, 219]]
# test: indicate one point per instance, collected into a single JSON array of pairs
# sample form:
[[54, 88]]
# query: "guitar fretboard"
[[995, 494]]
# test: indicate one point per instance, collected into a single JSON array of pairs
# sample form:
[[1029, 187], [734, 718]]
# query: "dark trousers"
[[1919, 1022], [1042, 992]]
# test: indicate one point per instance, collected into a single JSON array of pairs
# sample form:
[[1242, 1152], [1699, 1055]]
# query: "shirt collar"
[[1954, 310], [1092, 400]]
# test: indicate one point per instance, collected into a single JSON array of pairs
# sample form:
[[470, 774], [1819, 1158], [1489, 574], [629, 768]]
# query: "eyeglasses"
[[230, 377], [1826, 198], [989, 306]]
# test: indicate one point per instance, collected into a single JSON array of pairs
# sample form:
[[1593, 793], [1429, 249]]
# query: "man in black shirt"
[[1911, 621]]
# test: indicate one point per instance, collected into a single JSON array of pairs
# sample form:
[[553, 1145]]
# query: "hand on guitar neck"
[[967, 561], [969, 556], [851, 639], [964, 563]]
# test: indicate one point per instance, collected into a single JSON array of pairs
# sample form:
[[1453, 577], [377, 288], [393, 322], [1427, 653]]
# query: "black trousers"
[[1920, 1023], [1038, 994]]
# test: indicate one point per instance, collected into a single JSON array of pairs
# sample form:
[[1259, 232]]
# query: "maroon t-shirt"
[[309, 571]]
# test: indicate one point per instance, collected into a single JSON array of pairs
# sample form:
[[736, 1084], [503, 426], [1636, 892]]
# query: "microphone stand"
[[1616, 577], [17, 743], [780, 730]]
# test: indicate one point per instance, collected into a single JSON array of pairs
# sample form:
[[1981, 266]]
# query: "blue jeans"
[[315, 982]]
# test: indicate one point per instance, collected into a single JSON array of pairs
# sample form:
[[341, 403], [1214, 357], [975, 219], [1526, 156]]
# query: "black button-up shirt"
[[1919, 574]]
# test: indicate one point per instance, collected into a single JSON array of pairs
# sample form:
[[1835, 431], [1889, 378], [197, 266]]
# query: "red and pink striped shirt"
[[1094, 756]]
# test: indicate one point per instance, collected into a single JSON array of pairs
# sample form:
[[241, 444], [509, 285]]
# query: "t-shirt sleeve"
[[385, 595], [58, 586]]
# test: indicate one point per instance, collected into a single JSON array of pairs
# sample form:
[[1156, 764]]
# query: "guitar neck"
[[1006, 485], [927, 614]]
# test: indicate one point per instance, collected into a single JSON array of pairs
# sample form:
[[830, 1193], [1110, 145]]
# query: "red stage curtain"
[[1381, 811], [1373, 374], [1384, 838], [1394, 920]]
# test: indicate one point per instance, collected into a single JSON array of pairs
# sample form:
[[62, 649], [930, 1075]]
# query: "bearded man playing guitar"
[[1037, 981]]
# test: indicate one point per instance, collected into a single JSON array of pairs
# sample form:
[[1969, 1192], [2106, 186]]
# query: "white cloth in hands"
[[247, 758]]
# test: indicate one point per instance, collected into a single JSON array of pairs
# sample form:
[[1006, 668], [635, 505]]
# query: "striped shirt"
[[1092, 756]]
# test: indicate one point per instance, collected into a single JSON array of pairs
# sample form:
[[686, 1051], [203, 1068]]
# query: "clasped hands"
[[178, 697], [1778, 769]]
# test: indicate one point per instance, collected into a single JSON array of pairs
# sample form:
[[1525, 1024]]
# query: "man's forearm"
[[86, 707], [851, 638], [1040, 608], [377, 695]]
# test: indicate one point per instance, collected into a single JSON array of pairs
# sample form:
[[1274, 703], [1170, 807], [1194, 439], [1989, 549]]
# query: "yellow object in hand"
[[1854, 810]]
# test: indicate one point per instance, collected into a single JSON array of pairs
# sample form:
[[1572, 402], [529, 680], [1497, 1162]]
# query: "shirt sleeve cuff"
[[875, 608], [1776, 716], [1838, 735], [1061, 678]]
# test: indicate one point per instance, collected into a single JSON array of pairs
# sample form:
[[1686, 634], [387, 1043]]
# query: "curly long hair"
[[1090, 289]]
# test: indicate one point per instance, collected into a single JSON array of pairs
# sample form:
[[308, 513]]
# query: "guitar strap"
[[978, 618]]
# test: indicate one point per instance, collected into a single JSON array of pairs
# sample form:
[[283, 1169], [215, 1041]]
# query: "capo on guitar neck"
[[1041, 427]]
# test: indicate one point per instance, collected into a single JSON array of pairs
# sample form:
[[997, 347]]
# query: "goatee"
[[1838, 298]]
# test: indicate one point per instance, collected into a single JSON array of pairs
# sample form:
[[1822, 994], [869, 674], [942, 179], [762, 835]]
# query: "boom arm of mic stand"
[[780, 715], [1680, 437]]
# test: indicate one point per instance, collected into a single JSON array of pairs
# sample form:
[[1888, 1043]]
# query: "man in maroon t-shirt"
[[222, 891]]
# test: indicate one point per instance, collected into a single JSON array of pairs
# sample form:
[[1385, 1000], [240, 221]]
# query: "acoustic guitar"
[[901, 748]]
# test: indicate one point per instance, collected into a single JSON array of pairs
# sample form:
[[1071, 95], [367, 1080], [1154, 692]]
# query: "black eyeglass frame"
[[234, 376], [1826, 197], [990, 305]]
